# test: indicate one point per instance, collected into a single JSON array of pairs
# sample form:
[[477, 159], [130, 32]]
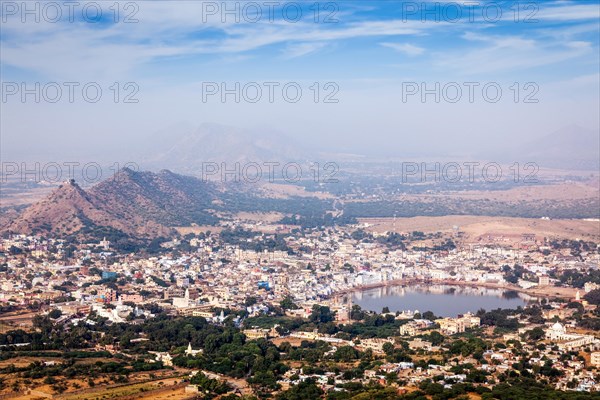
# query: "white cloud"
[[509, 53], [72, 50], [565, 11], [302, 49], [406, 48]]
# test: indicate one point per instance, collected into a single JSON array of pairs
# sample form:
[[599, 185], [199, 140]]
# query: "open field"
[[184, 230], [559, 192], [19, 319], [150, 390], [477, 228], [256, 217], [20, 362], [141, 386], [282, 190], [11, 198], [565, 192]]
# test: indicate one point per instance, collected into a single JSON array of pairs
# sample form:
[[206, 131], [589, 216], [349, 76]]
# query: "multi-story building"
[[595, 359]]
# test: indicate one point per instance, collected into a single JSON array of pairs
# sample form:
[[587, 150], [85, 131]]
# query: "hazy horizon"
[[365, 56]]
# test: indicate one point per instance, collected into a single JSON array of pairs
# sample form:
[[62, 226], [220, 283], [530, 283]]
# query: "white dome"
[[558, 327]]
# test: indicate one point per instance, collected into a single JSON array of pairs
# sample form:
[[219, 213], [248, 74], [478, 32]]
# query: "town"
[[300, 200], [294, 289]]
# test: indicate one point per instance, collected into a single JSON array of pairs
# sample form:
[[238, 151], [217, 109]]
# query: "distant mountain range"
[[184, 149], [571, 147], [146, 205], [136, 204]]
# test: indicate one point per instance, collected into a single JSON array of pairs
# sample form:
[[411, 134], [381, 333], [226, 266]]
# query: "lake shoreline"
[[538, 292]]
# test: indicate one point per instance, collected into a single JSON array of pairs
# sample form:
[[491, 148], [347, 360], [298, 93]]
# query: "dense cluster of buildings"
[[214, 275]]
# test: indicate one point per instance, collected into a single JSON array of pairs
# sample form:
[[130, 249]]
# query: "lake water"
[[442, 300]]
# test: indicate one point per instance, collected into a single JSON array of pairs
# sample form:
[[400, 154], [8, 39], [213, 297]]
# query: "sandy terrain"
[[159, 388], [269, 218], [11, 198], [164, 388], [476, 227], [184, 230], [19, 319], [280, 190], [559, 192]]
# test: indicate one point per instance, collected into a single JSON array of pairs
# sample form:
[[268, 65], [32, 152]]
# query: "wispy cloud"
[[406, 48], [567, 11], [173, 32], [302, 49], [510, 53]]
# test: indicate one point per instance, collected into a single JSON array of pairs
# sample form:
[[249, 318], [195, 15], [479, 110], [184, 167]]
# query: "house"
[[165, 357], [595, 359], [451, 326], [569, 341], [256, 333]]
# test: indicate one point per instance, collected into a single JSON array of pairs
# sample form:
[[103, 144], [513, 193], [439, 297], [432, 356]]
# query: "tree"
[[302, 391], [345, 354], [431, 388], [14, 250], [388, 348], [593, 297], [43, 323], [288, 303], [357, 313], [321, 314], [429, 315], [436, 338], [264, 382], [209, 385], [536, 334], [250, 301]]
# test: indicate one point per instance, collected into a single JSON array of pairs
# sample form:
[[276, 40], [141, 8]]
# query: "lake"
[[442, 300]]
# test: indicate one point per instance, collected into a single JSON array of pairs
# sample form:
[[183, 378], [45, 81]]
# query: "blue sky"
[[368, 48]]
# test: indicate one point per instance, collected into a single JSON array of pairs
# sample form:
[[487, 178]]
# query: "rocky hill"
[[137, 204]]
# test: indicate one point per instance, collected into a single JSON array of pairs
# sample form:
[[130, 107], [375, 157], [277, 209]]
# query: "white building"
[[569, 341]]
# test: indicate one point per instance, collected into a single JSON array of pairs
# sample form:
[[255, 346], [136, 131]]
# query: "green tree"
[[302, 391], [593, 297], [288, 303], [388, 348], [536, 334], [345, 354], [321, 314]]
